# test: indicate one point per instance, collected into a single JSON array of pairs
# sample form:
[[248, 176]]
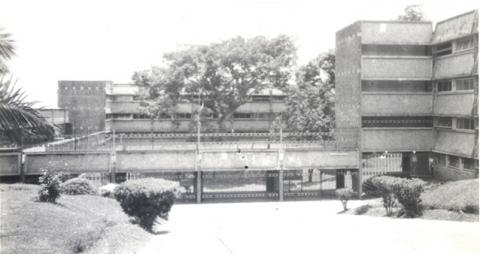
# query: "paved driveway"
[[305, 227]]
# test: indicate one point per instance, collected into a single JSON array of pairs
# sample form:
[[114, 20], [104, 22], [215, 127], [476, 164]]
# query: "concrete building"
[[124, 113], [59, 119], [85, 102], [412, 91]]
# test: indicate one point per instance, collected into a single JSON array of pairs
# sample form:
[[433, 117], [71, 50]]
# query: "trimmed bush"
[[344, 195], [369, 188], [408, 193], [147, 198], [49, 187], [383, 185], [78, 186]]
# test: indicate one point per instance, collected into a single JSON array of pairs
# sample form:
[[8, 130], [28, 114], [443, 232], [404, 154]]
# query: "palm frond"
[[7, 51], [18, 118], [7, 48]]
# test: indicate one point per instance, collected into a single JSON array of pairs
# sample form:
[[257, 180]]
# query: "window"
[[393, 122], [464, 44], [183, 116], [465, 123], [445, 122], [469, 163], [464, 84], [453, 161], [396, 86], [243, 115], [443, 49], [141, 116], [444, 85]]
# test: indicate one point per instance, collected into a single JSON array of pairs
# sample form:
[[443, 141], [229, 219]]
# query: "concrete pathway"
[[305, 227]]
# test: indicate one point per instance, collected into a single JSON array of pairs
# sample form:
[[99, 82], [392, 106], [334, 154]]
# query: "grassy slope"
[[454, 196], [448, 201], [76, 223]]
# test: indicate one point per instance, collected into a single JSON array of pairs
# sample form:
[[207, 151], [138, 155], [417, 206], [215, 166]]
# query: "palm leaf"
[[18, 118]]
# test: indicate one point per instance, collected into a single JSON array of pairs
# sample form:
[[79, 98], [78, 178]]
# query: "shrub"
[[108, 190], [78, 186], [408, 193], [362, 209], [63, 177], [369, 188], [384, 187], [147, 198], [344, 195], [49, 187]]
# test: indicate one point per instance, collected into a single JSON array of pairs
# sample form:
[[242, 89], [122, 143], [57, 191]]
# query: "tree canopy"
[[310, 104], [412, 13], [220, 76]]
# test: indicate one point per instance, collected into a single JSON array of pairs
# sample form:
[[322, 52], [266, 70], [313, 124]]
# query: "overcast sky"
[[109, 40]]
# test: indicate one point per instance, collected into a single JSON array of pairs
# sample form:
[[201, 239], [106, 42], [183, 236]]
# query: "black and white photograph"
[[239, 126]]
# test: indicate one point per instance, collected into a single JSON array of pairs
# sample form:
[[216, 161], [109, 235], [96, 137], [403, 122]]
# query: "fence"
[[107, 141]]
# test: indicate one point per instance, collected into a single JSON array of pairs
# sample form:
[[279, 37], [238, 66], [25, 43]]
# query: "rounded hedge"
[[147, 198], [78, 186]]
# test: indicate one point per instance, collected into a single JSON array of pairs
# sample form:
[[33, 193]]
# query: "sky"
[[111, 39]]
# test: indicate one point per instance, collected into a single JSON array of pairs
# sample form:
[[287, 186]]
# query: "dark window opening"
[[443, 49], [444, 85], [396, 121], [464, 84], [445, 122], [396, 50], [396, 86], [465, 123]]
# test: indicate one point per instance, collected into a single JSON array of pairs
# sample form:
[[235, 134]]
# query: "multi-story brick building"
[[85, 102], [124, 113], [412, 91]]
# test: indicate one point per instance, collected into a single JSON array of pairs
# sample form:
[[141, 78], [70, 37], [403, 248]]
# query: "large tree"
[[412, 13], [220, 76], [19, 122], [310, 103]]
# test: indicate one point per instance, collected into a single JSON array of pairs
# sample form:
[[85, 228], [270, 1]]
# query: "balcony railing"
[[450, 103], [396, 67], [395, 32], [396, 103], [397, 139], [455, 65]]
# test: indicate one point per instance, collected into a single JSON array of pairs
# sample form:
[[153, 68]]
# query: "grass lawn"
[[76, 224], [454, 201]]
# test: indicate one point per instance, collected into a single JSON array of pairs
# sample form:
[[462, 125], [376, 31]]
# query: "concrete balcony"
[[125, 107], [454, 104], [262, 107], [455, 65], [396, 67], [133, 107], [461, 143], [397, 139], [396, 32], [146, 125], [388, 103]]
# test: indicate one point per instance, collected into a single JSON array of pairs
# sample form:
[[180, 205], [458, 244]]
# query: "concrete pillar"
[[198, 186], [280, 185]]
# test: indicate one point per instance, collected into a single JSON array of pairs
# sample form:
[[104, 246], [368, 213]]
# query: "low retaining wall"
[[10, 164]]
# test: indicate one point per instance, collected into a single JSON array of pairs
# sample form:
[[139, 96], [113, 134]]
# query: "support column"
[[280, 185], [198, 186]]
